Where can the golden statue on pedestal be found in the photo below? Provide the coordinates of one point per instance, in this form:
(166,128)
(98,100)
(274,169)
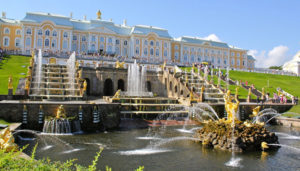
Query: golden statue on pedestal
(7,141)
(60,112)
(117,94)
(255,111)
(10,82)
(99,15)
(32,54)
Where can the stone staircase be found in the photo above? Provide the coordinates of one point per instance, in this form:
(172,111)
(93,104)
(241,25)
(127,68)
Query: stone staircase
(194,82)
(55,84)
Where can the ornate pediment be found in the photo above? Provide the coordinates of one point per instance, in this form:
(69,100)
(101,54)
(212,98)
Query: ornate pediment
(102,30)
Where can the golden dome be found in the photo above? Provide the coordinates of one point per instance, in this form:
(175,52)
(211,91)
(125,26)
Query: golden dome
(99,15)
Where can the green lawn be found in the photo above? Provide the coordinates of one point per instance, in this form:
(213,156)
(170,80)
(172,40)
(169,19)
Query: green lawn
(15,66)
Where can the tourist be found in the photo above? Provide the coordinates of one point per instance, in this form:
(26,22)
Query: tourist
(296,100)
(281,98)
(246,82)
(293,99)
(267,97)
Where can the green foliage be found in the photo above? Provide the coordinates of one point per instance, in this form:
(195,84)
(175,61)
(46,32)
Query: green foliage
(15,66)
(141,168)
(276,67)
(93,166)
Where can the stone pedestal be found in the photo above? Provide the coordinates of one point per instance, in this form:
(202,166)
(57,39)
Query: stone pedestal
(10,94)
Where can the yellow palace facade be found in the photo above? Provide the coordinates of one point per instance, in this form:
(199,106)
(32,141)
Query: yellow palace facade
(59,34)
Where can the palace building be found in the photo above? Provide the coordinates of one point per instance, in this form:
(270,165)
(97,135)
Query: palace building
(59,34)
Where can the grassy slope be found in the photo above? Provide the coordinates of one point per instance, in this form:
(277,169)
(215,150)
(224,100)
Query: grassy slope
(12,66)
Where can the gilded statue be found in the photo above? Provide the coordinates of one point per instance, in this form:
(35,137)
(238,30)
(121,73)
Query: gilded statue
(77,64)
(249,92)
(60,112)
(7,141)
(163,66)
(117,94)
(236,92)
(84,85)
(27,84)
(32,54)
(255,111)
(10,82)
(231,107)
(120,65)
(99,15)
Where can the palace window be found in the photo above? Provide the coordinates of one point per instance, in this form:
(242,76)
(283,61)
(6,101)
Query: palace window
(225,53)
(125,42)
(137,50)
(53,45)
(225,61)
(17,42)
(74,37)
(192,57)
(83,47)
(101,39)
(192,49)
(117,41)
(28,42)
(219,60)
(110,40)
(65,44)
(166,45)
(6,31)
(238,62)
(145,51)
(243,63)
(232,53)
(176,47)
(145,42)
(157,43)
(165,53)
(213,60)
(212,52)
(117,51)
(109,49)
(39,42)
(232,61)
(6,41)
(101,47)
(54,33)
(65,34)
(137,41)
(206,50)
(93,38)
(238,54)
(47,33)
(199,50)
(199,58)
(28,31)
(219,52)
(151,43)
(83,38)
(125,51)
(185,57)
(40,32)
(157,52)
(93,47)
(176,55)
(74,47)
(151,51)
(18,32)
(47,42)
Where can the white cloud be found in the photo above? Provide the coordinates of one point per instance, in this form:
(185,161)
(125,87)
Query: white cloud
(212,37)
(275,57)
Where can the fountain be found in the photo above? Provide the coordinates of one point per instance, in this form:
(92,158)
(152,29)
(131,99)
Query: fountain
(38,72)
(71,72)
(58,125)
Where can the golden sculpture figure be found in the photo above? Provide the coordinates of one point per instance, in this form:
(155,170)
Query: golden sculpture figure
(60,112)
(10,82)
(255,111)
(117,94)
(32,53)
(236,92)
(7,141)
(120,65)
(84,85)
(99,15)
(77,64)
(249,92)
(231,107)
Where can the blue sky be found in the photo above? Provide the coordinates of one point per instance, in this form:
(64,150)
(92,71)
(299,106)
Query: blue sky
(269,29)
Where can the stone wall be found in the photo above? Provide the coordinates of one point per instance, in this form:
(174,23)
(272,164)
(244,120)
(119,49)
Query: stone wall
(110,116)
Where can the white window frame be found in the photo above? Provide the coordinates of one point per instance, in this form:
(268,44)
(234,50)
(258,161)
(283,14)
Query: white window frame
(8,42)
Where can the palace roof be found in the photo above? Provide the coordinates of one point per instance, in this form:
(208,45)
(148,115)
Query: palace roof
(196,40)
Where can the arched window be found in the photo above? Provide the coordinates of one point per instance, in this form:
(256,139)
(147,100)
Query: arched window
(53,45)
(74,47)
(117,41)
(125,51)
(213,60)
(54,33)
(6,31)
(40,32)
(28,42)
(47,42)
(165,45)
(121,85)
(151,43)
(199,58)
(28,31)
(232,61)
(65,44)
(137,41)
(185,57)
(110,40)
(47,32)
(192,58)
(83,47)
(39,42)
(125,42)
(145,51)
(93,38)
(84,38)
(6,41)
(74,37)
(109,50)
(199,50)
(101,47)
(17,42)
(137,50)
(148,84)
(175,89)
(225,61)
(157,52)
(65,34)
(145,42)
(219,60)
(151,51)
(18,32)
(157,43)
